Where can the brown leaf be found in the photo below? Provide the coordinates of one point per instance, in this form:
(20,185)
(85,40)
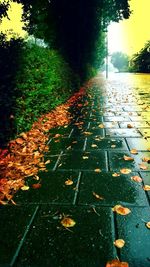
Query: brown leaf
(143,166)
(116,174)
(119,243)
(68,222)
(121,210)
(146,159)
(101,126)
(97,170)
(97,196)
(36,186)
(116,263)
(129,125)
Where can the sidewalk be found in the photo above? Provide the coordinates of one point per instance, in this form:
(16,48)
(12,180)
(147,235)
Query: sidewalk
(87,176)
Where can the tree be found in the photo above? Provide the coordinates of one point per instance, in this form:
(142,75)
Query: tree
(120,61)
(140,62)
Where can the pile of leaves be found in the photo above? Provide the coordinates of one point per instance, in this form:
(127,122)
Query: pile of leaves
(24,156)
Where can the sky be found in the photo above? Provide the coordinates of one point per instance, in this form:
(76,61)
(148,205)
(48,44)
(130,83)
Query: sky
(129,36)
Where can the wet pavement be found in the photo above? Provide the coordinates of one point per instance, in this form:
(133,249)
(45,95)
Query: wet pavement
(106,144)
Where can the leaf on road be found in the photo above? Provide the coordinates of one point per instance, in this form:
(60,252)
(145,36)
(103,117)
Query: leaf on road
(101,126)
(121,210)
(116,263)
(97,196)
(116,174)
(85,157)
(146,187)
(36,186)
(125,171)
(129,125)
(143,166)
(87,133)
(68,182)
(134,151)
(136,178)
(148,225)
(119,243)
(146,159)
(128,158)
(97,170)
(94,146)
(25,188)
(68,222)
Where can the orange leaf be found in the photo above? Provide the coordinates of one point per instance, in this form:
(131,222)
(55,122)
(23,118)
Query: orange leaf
(146,159)
(128,158)
(101,126)
(143,166)
(129,125)
(97,196)
(119,243)
(68,182)
(97,170)
(19,141)
(136,178)
(116,263)
(68,222)
(121,210)
(134,151)
(36,186)
(125,171)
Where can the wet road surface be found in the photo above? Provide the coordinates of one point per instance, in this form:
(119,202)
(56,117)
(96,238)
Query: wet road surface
(101,152)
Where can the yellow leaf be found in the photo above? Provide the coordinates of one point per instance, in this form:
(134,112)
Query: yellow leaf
(47,162)
(25,188)
(128,158)
(68,182)
(136,178)
(68,222)
(134,151)
(146,159)
(116,174)
(101,126)
(125,171)
(146,187)
(94,145)
(85,157)
(97,170)
(121,210)
(119,243)
(113,146)
(148,225)
(97,196)
(87,133)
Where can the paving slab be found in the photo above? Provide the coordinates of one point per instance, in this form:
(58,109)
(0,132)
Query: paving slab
(14,223)
(140,144)
(133,227)
(79,160)
(123,132)
(88,243)
(106,143)
(52,189)
(112,190)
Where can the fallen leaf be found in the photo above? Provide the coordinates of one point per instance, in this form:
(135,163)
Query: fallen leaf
(47,162)
(19,141)
(25,188)
(128,158)
(134,151)
(146,159)
(116,263)
(136,178)
(143,166)
(97,196)
(121,210)
(68,222)
(148,225)
(85,157)
(68,182)
(129,125)
(146,187)
(101,126)
(113,146)
(119,243)
(97,170)
(36,186)
(125,171)
(94,145)
(87,133)
(116,174)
